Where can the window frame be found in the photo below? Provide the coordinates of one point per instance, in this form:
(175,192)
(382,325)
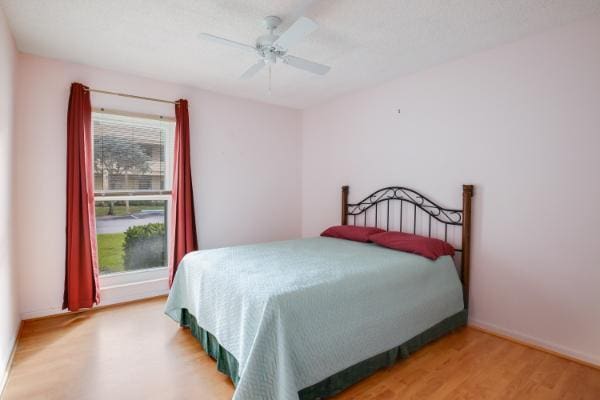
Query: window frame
(151,273)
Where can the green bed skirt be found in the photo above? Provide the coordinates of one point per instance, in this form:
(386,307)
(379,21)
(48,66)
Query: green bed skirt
(227,364)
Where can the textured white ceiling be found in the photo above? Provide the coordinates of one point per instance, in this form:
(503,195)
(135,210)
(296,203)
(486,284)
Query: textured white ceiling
(365,41)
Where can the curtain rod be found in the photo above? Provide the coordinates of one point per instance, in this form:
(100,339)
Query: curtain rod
(130,96)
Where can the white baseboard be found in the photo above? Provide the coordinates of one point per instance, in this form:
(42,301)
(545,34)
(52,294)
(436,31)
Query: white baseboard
(537,343)
(115,294)
(7,363)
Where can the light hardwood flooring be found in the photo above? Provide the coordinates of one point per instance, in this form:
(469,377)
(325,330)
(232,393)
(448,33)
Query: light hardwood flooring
(134,351)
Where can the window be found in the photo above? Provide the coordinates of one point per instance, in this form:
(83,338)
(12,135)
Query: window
(132,187)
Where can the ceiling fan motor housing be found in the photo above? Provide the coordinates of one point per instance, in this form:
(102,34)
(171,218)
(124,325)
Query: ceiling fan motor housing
(271,22)
(264,43)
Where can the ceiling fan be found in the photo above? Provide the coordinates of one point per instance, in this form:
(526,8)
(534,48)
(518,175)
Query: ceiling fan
(272,47)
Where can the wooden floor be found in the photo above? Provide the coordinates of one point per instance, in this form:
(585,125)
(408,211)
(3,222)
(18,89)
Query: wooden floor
(135,352)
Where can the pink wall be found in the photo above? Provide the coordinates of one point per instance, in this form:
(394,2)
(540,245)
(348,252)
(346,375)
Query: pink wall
(245,162)
(9,315)
(522,123)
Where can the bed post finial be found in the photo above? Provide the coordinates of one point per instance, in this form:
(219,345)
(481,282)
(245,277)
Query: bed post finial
(345,189)
(466,242)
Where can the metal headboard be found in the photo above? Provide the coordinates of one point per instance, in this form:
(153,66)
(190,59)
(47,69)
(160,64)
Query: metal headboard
(432,211)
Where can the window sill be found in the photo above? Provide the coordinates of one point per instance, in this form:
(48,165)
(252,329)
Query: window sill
(132,277)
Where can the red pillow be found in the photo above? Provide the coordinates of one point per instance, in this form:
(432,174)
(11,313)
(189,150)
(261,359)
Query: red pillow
(348,232)
(421,245)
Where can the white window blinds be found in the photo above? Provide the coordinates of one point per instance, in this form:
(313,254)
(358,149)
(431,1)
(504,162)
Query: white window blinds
(131,154)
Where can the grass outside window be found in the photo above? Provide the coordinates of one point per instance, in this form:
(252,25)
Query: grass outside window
(110,252)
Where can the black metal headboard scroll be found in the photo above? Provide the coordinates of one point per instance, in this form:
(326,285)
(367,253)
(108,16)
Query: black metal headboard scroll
(445,216)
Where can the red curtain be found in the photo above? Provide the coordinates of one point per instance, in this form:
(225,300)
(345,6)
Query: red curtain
(81,266)
(183,222)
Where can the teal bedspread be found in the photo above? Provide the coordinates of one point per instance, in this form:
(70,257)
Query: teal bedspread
(294,313)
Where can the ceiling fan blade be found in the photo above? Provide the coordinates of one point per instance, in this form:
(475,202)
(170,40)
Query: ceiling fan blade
(299,30)
(250,72)
(228,42)
(306,65)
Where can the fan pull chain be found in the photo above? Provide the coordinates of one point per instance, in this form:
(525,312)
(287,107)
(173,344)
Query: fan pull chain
(269,79)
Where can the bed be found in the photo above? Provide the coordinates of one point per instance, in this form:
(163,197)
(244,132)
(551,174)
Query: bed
(305,319)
